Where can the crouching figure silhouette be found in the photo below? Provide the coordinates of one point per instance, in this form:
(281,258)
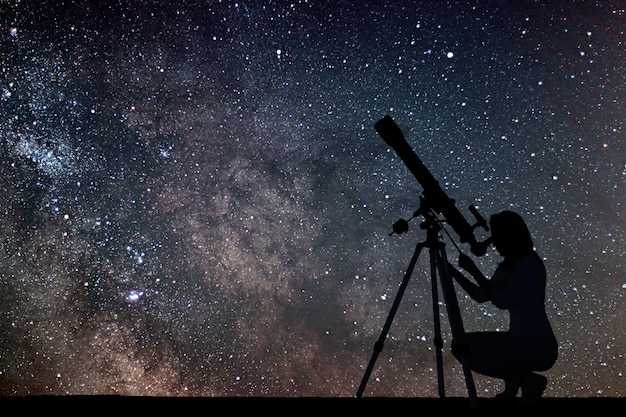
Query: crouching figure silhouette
(517,285)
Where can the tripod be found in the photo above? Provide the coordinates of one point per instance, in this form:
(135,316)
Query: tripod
(438,263)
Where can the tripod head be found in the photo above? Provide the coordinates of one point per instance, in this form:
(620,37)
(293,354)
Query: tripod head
(434,197)
(429,222)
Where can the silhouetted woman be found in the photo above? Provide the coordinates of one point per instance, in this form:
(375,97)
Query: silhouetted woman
(518,285)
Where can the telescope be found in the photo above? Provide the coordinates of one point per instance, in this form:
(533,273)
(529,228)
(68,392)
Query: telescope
(432,201)
(434,197)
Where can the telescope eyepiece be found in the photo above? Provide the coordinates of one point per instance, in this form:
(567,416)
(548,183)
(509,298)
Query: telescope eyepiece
(480,248)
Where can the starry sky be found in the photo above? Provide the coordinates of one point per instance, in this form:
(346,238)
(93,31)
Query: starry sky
(195,201)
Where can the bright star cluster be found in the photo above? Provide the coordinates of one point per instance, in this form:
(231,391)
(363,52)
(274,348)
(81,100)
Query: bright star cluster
(195,201)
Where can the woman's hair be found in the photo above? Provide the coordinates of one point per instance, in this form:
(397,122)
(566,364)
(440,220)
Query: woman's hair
(512,231)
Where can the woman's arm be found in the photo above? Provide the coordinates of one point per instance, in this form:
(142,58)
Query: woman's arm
(477,293)
(466,263)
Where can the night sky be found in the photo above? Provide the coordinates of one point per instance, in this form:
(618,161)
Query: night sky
(194,201)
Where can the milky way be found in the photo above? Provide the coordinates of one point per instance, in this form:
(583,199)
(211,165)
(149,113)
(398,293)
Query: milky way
(195,201)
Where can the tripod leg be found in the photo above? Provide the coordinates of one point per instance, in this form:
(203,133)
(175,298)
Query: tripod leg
(456,322)
(437,324)
(378,346)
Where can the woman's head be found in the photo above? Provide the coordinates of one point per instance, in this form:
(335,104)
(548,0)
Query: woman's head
(510,233)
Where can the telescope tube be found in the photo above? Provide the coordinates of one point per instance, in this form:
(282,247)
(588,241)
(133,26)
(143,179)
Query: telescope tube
(435,197)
